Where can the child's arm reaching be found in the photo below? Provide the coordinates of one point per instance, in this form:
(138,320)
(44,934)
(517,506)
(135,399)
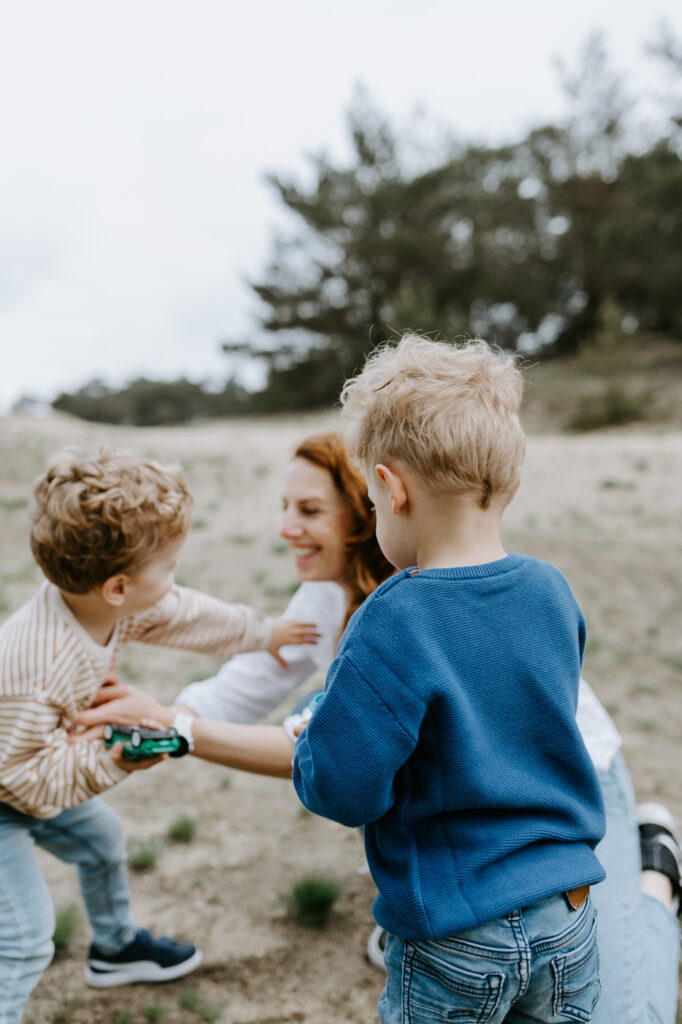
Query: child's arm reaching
(193,621)
(41,772)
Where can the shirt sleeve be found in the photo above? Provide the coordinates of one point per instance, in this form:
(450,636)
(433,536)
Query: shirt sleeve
(248,687)
(193,621)
(252,685)
(346,759)
(41,773)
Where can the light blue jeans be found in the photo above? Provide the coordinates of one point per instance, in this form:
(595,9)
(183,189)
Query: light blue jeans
(539,964)
(639,939)
(90,836)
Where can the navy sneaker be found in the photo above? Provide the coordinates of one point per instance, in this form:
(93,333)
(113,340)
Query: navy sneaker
(144,959)
(660,845)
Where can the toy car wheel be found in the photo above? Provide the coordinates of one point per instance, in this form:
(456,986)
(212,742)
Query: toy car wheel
(108,732)
(135,738)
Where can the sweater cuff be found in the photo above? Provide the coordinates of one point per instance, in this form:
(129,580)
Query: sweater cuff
(113,771)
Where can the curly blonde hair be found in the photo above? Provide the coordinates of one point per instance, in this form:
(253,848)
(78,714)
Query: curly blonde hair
(95,517)
(450,412)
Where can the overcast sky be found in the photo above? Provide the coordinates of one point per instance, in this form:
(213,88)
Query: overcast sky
(134,137)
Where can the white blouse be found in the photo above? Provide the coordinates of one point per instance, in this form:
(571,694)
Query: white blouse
(251,685)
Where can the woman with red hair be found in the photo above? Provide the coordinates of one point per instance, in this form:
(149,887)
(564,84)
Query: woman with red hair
(328,521)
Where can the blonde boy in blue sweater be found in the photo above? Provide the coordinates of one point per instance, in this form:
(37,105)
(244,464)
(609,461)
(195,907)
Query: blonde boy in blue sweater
(448,725)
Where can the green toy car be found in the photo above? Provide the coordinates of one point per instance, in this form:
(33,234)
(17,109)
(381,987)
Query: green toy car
(140,742)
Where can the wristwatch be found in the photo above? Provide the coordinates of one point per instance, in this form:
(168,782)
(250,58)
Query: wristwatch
(182,723)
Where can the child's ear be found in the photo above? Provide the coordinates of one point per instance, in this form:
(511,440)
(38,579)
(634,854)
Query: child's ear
(393,480)
(113,590)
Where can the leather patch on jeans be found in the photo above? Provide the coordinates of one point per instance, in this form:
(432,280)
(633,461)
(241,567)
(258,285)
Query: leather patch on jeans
(576,897)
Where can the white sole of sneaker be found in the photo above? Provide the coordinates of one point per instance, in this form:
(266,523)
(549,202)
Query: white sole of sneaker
(375,953)
(109,975)
(657,814)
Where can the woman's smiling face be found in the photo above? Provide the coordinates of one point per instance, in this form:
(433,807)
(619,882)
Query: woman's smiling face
(315,523)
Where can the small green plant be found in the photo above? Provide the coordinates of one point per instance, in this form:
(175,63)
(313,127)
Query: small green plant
(153,1013)
(617,485)
(182,830)
(122,1017)
(143,856)
(310,900)
(241,539)
(65,924)
(199,523)
(191,1000)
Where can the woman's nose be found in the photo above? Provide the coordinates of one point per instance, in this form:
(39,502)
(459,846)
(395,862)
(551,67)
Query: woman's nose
(290,528)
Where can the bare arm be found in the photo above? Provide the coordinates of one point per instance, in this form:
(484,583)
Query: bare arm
(262,749)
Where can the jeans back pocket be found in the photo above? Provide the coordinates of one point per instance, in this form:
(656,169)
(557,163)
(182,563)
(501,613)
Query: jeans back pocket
(436,990)
(576,980)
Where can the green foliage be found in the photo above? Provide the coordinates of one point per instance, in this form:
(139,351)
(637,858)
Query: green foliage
(154,1013)
(183,830)
(122,1017)
(525,244)
(611,407)
(143,856)
(191,1000)
(310,900)
(66,922)
(145,402)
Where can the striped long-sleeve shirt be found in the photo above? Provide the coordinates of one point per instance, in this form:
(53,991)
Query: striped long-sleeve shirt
(50,669)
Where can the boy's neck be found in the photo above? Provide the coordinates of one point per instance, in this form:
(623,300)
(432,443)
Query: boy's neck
(455,531)
(92,613)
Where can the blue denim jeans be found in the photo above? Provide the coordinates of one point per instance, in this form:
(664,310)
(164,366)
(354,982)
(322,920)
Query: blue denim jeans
(639,938)
(89,836)
(539,964)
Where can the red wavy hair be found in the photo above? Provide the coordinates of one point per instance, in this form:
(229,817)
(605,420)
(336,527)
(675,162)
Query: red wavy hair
(367,567)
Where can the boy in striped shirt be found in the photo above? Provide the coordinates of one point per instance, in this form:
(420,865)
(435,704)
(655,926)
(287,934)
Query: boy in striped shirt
(107,533)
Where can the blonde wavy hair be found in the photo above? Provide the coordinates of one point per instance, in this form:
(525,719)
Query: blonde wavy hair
(450,412)
(98,516)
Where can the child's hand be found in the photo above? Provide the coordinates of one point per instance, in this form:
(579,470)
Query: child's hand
(291,631)
(116,755)
(129,709)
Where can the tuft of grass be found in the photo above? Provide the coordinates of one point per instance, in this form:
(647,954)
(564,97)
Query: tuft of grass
(182,830)
(310,900)
(199,523)
(66,921)
(191,1000)
(280,547)
(122,1017)
(153,1013)
(617,485)
(143,856)
(241,539)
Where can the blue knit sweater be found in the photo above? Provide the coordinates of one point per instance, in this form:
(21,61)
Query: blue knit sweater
(448,730)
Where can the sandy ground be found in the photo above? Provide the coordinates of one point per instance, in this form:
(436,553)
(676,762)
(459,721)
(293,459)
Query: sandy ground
(605,508)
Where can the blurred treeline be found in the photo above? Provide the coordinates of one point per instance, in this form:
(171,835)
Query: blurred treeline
(543,245)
